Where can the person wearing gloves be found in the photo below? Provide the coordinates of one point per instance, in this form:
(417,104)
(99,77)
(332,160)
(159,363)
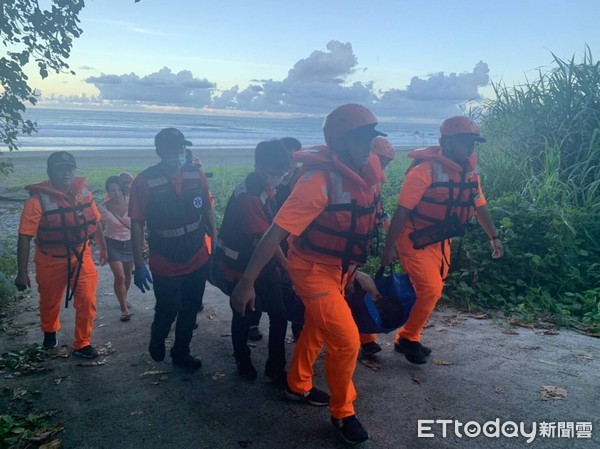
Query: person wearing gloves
(171,200)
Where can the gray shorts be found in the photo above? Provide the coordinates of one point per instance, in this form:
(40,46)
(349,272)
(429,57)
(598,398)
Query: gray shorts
(119,250)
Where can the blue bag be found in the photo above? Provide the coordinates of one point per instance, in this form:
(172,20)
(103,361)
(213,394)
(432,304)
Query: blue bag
(398,300)
(395,288)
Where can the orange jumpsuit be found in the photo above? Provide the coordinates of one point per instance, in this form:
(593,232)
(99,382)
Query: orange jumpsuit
(427,267)
(52,273)
(320,283)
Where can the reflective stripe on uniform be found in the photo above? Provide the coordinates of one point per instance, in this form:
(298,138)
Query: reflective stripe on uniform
(177,232)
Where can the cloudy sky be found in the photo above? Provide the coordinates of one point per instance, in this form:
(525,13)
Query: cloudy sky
(412,59)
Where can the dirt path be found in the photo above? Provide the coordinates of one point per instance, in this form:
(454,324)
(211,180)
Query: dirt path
(481,370)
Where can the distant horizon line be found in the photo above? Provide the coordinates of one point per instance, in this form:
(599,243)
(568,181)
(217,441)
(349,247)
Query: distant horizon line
(155,109)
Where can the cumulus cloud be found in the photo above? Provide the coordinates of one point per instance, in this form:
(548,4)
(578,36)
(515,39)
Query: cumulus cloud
(315,84)
(451,87)
(227,99)
(436,95)
(320,82)
(322,67)
(162,87)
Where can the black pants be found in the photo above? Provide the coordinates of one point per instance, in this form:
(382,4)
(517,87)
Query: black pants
(269,299)
(178,297)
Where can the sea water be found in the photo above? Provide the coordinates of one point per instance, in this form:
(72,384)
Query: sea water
(75,130)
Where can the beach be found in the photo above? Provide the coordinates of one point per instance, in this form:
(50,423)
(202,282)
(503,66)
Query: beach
(124,141)
(28,163)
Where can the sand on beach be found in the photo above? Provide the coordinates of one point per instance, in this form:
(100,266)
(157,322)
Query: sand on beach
(28,163)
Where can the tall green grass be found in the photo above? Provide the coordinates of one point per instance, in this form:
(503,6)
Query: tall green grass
(541,168)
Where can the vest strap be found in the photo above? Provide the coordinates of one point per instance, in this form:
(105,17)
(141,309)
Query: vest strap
(177,232)
(229,253)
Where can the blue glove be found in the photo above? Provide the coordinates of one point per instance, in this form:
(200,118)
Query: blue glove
(142,278)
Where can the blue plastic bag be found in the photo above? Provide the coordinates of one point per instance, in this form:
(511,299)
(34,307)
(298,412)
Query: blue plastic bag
(398,287)
(365,312)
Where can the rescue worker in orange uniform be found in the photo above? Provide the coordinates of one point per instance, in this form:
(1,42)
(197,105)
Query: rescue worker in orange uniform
(62,216)
(384,150)
(171,198)
(441,192)
(328,217)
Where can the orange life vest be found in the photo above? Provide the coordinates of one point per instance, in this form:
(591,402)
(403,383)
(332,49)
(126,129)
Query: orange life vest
(453,190)
(68,220)
(342,232)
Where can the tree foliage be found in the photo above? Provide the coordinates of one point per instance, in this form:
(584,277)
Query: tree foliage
(31,35)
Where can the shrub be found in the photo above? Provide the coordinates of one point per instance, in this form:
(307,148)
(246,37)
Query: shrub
(541,167)
(8,270)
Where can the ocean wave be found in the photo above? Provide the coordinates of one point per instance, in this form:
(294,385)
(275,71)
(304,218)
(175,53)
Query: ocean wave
(82,129)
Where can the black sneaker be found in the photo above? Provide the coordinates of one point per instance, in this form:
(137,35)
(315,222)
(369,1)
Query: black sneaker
(156,348)
(50,340)
(411,350)
(186,361)
(426,350)
(254,334)
(350,429)
(369,349)
(278,377)
(314,396)
(246,369)
(87,352)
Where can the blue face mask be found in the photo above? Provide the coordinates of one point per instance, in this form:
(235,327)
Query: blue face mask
(176,161)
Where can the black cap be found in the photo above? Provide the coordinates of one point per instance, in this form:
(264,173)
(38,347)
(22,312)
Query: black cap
(61,158)
(170,138)
(367,131)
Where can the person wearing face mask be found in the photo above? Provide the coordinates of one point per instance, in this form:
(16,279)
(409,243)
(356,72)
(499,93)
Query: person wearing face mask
(328,220)
(62,216)
(248,214)
(440,193)
(171,199)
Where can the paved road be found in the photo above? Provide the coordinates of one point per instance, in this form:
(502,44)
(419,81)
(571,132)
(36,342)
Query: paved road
(480,370)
